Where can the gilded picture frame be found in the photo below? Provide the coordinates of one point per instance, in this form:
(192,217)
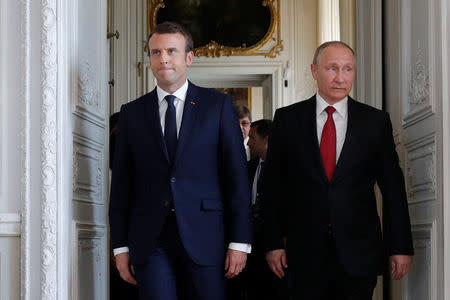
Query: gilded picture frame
(270,45)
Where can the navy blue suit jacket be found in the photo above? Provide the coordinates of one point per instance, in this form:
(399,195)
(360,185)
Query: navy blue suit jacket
(209,175)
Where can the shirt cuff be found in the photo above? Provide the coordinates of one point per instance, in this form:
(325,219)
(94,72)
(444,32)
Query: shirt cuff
(247,248)
(120,250)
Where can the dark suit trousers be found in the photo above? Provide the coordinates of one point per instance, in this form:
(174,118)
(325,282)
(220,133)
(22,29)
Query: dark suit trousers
(170,274)
(257,282)
(333,283)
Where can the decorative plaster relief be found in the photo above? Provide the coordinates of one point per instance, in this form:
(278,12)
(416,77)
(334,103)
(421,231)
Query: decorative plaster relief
(25,95)
(88,92)
(400,149)
(421,170)
(48,149)
(89,261)
(417,283)
(89,269)
(87,171)
(419,86)
(90,86)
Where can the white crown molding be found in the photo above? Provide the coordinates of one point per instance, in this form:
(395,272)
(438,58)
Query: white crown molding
(48,149)
(24,219)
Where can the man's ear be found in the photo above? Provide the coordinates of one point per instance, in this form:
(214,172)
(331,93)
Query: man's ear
(189,58)
(313,71)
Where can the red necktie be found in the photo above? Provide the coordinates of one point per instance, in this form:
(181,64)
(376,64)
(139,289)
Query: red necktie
(328,143)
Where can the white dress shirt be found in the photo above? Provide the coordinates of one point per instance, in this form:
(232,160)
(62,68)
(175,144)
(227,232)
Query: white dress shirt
(179,101)
(255,181)
(247,148)
(340,118)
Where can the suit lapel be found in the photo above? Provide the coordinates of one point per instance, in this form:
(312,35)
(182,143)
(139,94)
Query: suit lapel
(349,143)
(313,139)
(154,121)
(189,115)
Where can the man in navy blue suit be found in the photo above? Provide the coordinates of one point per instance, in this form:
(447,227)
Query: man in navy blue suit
(179,166)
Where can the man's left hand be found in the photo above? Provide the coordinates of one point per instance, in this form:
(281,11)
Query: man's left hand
(234,262)
(400,265)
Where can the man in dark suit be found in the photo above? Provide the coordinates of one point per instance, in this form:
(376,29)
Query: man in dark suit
(261,283)
(179,162)
(325,155)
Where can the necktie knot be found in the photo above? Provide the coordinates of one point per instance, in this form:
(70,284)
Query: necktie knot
(170,99)
(330,110)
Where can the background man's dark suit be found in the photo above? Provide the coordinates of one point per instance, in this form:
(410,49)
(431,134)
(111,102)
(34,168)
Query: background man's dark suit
(300,201)
(208,173)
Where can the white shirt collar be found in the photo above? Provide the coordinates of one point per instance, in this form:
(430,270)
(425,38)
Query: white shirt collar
(340,106)
(180,93)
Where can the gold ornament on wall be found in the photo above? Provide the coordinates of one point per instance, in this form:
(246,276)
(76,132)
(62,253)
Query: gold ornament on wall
(233,23)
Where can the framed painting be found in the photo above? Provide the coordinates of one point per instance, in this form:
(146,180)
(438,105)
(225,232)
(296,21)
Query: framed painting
(223,28)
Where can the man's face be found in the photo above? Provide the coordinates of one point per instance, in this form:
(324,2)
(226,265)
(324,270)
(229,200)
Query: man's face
(169,60)
(245,126)
(334,73)
(257,145)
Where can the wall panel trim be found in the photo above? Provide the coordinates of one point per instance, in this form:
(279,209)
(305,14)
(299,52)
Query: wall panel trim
(48,149)
(9,225)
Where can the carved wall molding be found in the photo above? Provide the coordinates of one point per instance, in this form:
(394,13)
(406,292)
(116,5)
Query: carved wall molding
(419,84)
(88,237)
(87,84)
(417,61)
(421,169)
(9,225)
(48,149)
(24,217)
(419,283)
(88,92)
(90,155)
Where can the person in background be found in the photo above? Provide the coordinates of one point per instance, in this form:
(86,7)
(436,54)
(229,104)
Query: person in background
(118,288)
(262,283)
(245,119)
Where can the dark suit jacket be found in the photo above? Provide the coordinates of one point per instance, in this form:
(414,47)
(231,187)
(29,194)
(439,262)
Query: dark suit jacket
(258,230)
(299,200)
(209,173)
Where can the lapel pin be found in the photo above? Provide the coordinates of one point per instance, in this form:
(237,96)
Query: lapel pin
(192,102)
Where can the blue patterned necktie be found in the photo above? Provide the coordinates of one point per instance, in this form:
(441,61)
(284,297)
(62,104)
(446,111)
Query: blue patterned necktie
(170,128)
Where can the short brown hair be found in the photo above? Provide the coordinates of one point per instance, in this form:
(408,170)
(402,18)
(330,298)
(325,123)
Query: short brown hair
(172,28)
(242,112)
(320,49)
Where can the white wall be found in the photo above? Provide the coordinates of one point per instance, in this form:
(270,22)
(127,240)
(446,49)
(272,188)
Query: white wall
(11,105)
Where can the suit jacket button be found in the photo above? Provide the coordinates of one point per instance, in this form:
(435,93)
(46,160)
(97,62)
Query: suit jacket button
(172,179)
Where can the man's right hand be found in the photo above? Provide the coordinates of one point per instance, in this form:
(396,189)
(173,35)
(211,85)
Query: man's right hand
(277,260)
(122,264)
